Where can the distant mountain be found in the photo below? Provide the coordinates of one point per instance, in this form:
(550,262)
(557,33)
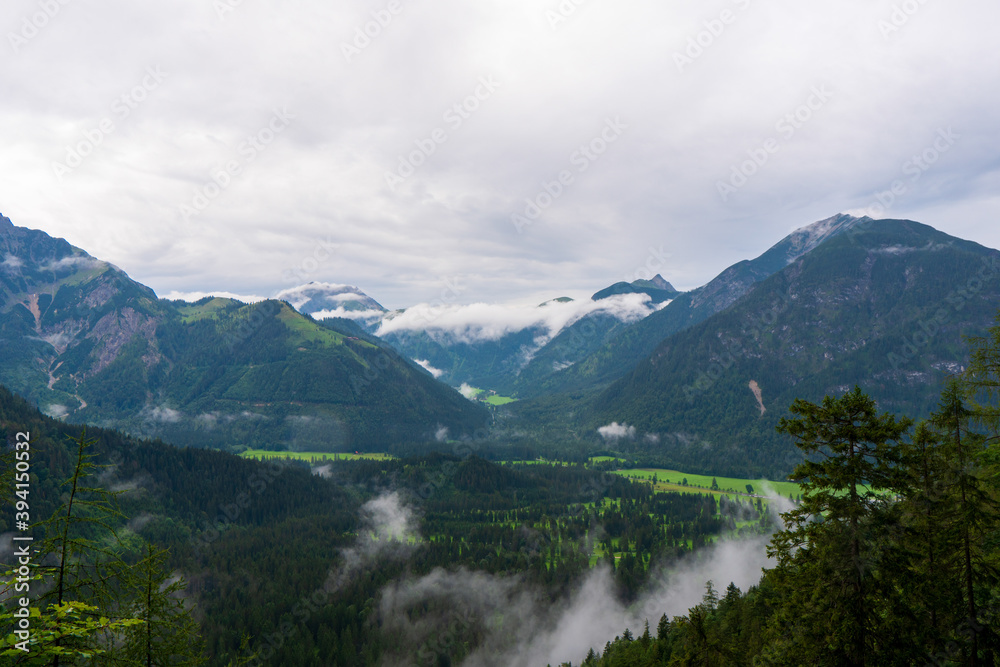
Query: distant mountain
(507,348)
(84,342)
(885,307)
(616,356)
(327,300)
(658,289)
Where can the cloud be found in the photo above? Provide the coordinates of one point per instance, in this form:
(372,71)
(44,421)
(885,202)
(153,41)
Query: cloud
(366,316)
(469,391)
(57,411)
(426,365)
(441,434)
(388,530)
(11,262)
(163,414)
(489,322)
(519,625)
(315,203)
(79,262)
(616,431)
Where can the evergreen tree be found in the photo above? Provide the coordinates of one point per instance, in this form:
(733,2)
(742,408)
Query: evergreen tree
(836,609)
(970,490)
(168,634)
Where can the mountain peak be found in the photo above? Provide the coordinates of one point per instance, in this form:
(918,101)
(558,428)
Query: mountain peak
(661,283)
(804,239)
(5,223)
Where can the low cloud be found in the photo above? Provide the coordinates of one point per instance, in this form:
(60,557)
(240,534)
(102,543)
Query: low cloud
(426,365)
(479,322)
(80,262)
(388,530)
(57,411)
(519,625)
(468,391)
(616,431)
(163,414)
(11,262)
(366,316)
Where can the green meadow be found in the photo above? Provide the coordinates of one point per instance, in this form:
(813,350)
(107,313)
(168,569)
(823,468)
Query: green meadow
(315,457)
(673,480)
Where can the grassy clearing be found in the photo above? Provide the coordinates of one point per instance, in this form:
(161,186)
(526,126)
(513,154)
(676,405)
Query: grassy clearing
(672,480)
(603,459)
(315,457)
(191,313)
(499,400)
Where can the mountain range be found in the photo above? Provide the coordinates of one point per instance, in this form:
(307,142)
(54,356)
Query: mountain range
(696,379)
(86,343)
(885,305)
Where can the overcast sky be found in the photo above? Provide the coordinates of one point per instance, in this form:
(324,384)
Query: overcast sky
(342,157)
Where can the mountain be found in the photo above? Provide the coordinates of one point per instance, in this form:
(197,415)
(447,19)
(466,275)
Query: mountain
(616,356)
(885,307)
(83,341)
(658,289)
(327,300)
(507,348)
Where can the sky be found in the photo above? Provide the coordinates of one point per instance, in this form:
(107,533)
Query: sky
(493,151)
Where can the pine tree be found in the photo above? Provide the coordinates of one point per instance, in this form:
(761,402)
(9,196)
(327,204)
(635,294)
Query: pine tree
(85,570)
(836,605)
(168,634)
(976,510)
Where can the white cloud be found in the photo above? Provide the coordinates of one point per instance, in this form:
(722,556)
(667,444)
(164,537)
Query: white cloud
(616,431)
(357,315)
(75,262)
(426,365)
(315,205)
(11,262)
(57,411)
(481,321)
(468,391)
(163,414)
(525,627)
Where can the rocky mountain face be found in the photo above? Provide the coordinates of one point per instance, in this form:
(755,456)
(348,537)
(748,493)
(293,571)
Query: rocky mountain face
(65,317)
(84,342)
